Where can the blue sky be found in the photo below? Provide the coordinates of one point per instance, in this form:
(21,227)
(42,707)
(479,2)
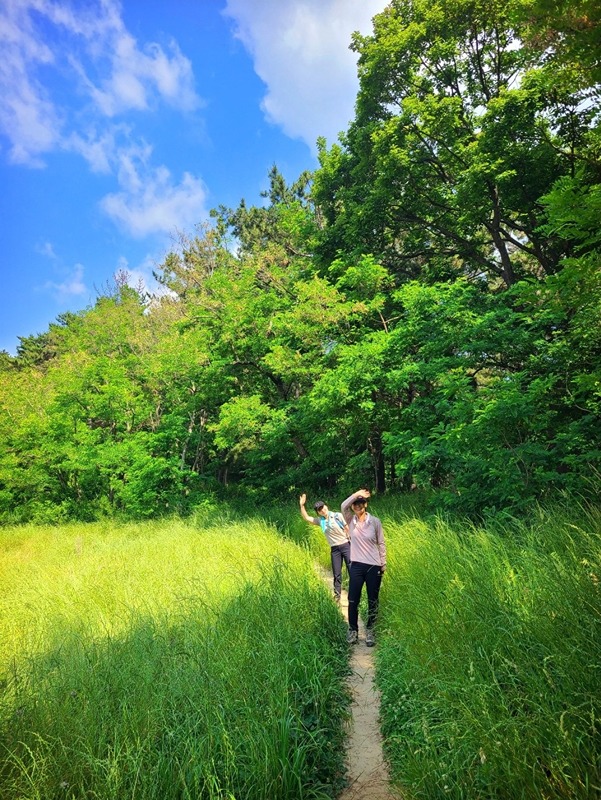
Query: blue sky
(122,124)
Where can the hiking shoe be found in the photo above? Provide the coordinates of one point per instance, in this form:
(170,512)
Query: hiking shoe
(352,637)
(370,638)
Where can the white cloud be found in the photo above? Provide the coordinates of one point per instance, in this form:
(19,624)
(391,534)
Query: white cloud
(150,202)
(100,149)
(72,286)
(28,117)
(300,50)
(47,250)
(134,77)
(88,44)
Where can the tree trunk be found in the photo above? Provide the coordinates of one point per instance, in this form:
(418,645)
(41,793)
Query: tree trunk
(374,445)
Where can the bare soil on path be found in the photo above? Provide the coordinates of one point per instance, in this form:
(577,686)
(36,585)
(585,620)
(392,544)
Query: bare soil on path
(367,771)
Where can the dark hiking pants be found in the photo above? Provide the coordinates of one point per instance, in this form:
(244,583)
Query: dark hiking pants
(371,576)
(340,553)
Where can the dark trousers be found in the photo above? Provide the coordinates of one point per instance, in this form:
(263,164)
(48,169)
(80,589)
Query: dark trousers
(340,553)
(371,576)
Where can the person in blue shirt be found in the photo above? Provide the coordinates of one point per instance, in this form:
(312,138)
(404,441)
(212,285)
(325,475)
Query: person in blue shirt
(335,530)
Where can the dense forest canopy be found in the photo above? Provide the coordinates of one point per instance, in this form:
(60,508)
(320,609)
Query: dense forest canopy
(423,310)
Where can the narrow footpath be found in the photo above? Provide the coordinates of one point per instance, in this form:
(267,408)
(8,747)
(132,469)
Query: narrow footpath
(367,772)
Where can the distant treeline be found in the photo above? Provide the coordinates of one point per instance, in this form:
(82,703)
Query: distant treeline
(423,310)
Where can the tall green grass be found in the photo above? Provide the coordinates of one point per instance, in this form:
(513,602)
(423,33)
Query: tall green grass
(489,661)
(285,517)
(163,661)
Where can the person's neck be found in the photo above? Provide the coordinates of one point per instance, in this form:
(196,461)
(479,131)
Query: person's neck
(361,515)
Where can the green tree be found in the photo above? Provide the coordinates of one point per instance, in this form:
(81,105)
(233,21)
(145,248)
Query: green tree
(287,220)
(568,32)
(266,326)
(455,139)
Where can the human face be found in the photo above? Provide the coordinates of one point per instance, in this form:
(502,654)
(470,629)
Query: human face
(359,507)
(323,511)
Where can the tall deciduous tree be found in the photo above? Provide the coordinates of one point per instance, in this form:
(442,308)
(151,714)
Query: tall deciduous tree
(455,139)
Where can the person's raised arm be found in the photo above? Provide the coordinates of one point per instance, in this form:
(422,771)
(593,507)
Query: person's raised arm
(302,500)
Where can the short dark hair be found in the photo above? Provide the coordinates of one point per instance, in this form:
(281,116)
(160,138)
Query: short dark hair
(319,505)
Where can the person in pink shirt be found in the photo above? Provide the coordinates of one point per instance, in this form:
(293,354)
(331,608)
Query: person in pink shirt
(368,563)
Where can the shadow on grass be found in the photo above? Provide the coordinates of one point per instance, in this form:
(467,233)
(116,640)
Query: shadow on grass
(245,701)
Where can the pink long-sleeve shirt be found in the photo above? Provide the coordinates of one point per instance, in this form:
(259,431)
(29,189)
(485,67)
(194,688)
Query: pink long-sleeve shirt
(367,537)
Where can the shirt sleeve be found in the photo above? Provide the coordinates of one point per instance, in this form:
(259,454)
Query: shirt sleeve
(346,507)
(381,542)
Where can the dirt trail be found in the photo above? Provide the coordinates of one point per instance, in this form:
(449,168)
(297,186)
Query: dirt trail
(367,772)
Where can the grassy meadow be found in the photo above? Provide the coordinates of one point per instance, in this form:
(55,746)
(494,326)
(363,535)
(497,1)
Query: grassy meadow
(174,660)
(489,657)
(489,650)
(164,660)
